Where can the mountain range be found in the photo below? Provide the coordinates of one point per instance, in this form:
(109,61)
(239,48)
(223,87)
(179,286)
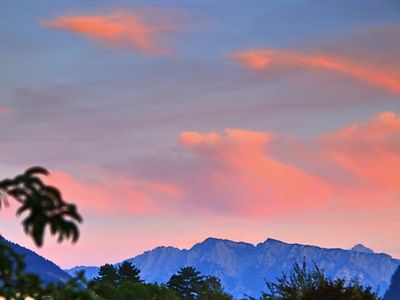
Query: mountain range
(243,268)
(36,264)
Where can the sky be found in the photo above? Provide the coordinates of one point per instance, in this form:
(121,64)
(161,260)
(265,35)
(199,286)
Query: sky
(168,122)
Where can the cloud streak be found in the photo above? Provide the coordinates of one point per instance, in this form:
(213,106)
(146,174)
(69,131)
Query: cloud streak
(241,169)
(277,175)
(347,178)
(367,149)
(108,194)
(259,174)
(260,60)
(133,30)
(4,110)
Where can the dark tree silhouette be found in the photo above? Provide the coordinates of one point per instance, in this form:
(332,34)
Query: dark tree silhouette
(43,205)
(187,283)
(127,272)
(107,274)
(212,289)
(305,284)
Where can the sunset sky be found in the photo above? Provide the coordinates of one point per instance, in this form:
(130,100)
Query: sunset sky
(167,122)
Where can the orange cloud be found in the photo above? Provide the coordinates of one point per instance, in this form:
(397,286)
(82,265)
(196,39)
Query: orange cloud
(132,30)
(247,180)
(340,186)
(116,194)
(254,173)
(191,138)
(370,149)
(257,174)
(337,188)
(372,74)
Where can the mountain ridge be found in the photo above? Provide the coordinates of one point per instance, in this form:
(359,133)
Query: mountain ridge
(242,267)
(47,270)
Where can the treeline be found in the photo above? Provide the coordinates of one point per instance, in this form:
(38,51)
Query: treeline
(302,283)
(124,282)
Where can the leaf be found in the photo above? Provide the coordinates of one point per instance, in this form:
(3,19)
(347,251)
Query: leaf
(44,206)
(36,171)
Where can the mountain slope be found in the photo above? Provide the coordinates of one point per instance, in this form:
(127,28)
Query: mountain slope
(243,268)
(44,268)
(90,272)
(393,292)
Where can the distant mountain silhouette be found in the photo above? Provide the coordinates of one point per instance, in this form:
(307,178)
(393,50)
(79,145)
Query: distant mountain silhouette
(243,268)
(90,272)
(36,264)
(393,292)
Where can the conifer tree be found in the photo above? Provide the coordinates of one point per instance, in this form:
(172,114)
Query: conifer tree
(107,274)
(127,272)
(212,289)
(187,283)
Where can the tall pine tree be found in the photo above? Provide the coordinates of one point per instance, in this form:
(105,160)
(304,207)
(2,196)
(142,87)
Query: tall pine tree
(187,283)
(108,273)
(127,272)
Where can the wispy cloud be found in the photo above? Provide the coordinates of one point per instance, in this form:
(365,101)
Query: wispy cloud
(278,175)
(240,168)
(4,110)
(116,195)
(260,176)
(267,59)
(367,149)
(136,30)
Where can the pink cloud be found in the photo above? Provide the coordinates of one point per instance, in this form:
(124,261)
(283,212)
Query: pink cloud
(370,150)
(257,174)
(333,189)
(373,74)
(4,110)
(111,194)
(341,170)
(247,179)
(139,30)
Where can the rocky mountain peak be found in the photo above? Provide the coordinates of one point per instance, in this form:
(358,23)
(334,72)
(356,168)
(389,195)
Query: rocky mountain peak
(361,248)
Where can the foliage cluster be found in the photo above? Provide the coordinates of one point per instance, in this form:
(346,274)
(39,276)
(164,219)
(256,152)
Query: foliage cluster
(189,284)
(43,207)
(305,284)
(123,282)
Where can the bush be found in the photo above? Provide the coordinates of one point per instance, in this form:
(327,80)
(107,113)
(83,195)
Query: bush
(305,284)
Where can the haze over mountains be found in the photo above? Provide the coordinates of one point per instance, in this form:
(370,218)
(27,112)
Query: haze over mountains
(243,267)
